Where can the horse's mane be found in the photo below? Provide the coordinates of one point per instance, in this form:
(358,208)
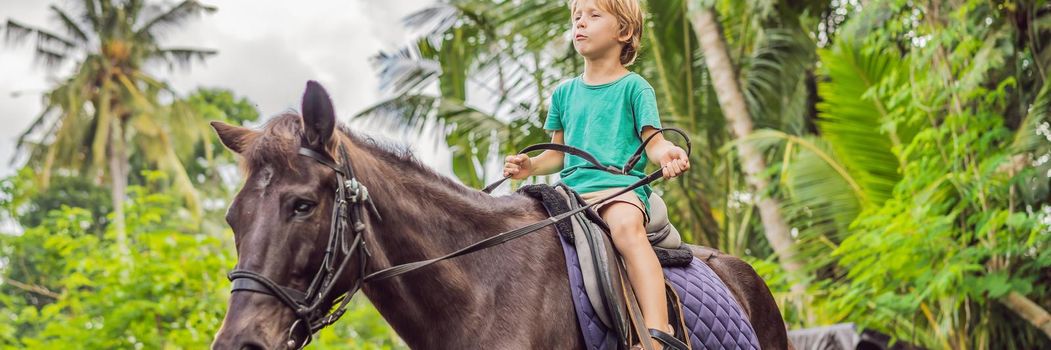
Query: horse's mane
(278,142)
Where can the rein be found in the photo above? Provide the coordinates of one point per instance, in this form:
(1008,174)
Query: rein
(353,203)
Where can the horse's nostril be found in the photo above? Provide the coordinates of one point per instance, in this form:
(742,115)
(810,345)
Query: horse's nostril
(251,346)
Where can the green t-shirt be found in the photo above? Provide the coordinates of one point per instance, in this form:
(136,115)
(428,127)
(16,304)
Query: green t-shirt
(605,120)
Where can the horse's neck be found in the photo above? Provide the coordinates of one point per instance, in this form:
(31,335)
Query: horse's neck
(424,217)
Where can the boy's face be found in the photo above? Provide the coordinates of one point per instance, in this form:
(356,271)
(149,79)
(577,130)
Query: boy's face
(595,31)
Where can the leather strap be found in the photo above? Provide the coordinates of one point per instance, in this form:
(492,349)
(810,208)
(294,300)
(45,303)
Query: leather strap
(561,148)
(321,158)
(669,341)
(502,237)
(522,231)
(251,285)
(638,152)
(591,159)
(638,322)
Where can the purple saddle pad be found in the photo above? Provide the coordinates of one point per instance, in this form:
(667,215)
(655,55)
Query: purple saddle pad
(711,314)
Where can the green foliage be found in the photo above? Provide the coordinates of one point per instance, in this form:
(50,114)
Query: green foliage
(470,49)
(948,224)
(73,290)
(30,206)
(361,327)
(859,111)
(168,293)
(206,156)
(109,111)
(946,240)
(908,142)
(206,159)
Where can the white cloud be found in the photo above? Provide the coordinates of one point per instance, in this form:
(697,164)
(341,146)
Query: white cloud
(267,52)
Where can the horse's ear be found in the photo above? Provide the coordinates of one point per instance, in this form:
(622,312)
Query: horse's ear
(319,118)
(233,137)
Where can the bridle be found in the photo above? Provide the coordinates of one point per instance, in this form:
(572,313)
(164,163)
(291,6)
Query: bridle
(352,199)
(351,203)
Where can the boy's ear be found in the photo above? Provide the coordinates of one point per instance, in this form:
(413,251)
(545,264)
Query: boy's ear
(625,36)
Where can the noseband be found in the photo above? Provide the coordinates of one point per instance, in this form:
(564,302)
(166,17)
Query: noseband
(352,199)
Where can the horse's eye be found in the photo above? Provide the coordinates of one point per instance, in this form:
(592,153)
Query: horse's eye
(302,207)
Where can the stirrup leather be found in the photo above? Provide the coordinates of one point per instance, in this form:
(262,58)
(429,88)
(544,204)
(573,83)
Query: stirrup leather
(669,341)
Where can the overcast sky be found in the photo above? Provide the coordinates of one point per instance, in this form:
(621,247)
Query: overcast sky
(267,52)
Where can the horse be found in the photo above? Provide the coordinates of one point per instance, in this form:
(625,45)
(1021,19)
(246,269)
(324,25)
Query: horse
(512,296)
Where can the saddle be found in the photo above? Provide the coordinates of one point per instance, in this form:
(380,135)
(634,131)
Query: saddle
(605,279)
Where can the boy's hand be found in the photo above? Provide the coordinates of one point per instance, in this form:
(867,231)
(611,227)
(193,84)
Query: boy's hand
(518,166)
(674,162)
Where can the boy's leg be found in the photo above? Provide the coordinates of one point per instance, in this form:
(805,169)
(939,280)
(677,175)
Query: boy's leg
(644,271)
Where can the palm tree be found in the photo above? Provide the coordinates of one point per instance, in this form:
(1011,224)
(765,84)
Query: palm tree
(874,102)
(515,53)
(831,117)
(110,103)
(735,108)
(469,46)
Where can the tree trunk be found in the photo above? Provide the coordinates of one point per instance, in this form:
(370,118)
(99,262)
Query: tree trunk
(119,180)
(732,102)
(110,139)
(1028,310)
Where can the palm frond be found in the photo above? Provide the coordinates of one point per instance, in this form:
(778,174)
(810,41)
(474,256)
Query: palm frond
(66,143)
(173,18)
(673,50)
(183,57)
(404,113)
(1032,144)
(16,33)
(469,132)
(48,58)
(820,196)
(50,49)
(89,13)
(404,70)
(104,124)
(856,115)
(45,118)
(155,145)
(187,131)
(773,75)
(434,19)
(71,26)
(538,23)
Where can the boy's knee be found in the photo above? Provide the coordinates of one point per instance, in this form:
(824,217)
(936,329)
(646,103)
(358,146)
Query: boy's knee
(625,225)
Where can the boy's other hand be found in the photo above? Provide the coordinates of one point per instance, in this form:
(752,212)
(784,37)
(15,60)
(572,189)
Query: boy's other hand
(674,162)
(518,166)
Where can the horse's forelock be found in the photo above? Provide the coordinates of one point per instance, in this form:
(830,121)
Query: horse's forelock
(278,143)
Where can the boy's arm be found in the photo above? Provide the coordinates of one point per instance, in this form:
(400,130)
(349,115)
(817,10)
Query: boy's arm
(662,152)
(549,162)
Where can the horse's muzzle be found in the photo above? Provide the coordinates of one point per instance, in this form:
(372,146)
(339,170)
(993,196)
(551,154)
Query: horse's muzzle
(253,321)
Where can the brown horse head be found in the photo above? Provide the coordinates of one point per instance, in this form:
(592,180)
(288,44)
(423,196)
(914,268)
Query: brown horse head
(281,220)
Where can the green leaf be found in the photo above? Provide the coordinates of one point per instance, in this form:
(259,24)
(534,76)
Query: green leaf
(857,118)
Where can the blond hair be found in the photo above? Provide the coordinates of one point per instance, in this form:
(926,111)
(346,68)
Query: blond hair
(629,15)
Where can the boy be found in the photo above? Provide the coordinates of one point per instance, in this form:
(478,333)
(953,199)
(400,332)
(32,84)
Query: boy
(608,111)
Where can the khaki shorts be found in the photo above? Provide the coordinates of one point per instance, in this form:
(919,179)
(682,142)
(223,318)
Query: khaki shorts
(627,197)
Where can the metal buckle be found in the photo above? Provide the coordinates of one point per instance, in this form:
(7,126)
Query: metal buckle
(358,193)
(292,343)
